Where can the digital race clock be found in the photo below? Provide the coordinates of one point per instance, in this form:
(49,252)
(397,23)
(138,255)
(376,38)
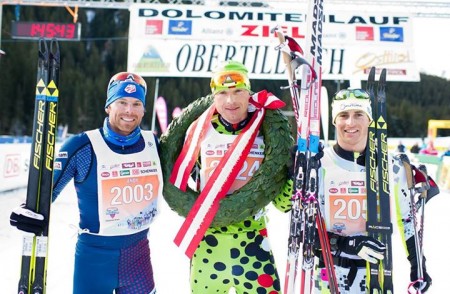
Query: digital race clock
(36,30)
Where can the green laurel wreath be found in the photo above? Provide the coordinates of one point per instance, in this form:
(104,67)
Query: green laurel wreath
(262,188)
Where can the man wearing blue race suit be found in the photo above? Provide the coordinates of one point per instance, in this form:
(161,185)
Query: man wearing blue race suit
(117,176)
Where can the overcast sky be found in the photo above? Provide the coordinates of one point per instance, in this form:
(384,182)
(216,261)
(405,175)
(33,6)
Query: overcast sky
(432,46)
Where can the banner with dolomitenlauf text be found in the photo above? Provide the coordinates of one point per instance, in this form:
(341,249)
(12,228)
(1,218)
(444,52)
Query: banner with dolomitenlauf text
(188,41)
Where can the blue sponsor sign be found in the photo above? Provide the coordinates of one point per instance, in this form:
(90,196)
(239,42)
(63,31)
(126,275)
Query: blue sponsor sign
(180,27)
(391,34)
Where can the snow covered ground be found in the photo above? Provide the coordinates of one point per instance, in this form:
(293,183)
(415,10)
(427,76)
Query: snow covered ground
(171,267)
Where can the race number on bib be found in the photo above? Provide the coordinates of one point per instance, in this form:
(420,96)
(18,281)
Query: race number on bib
(128,202)
(348,214)
(251,165)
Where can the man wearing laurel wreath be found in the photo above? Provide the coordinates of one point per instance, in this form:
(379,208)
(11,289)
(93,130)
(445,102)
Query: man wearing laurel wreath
(224,154)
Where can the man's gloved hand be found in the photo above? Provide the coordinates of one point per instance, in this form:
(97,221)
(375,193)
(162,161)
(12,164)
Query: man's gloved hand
(365,247)
(27,220)
(292,153)
(320,153)
(424,284)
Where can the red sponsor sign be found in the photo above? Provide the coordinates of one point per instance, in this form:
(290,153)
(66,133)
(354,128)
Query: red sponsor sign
(12,166)
(364,34)
(105,174)
(357,183)
(153,27)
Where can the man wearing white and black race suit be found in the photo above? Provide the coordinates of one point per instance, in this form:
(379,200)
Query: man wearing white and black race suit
(343,200)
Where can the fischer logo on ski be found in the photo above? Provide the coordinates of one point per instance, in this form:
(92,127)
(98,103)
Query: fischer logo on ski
(378,223)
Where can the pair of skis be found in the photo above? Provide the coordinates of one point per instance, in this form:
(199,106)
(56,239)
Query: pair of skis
(40,178)
(307,223)
(378,225)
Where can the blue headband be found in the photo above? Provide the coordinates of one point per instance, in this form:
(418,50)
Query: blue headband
(125,89)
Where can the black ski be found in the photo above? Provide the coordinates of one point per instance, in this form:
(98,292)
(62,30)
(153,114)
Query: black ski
(379,223)
(40,177)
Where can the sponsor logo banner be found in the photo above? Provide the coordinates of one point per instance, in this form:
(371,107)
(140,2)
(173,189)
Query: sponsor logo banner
(175,41)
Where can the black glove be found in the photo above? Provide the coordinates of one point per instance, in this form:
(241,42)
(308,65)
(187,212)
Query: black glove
(412,257)
(433,190)
(366,247)
(320,153)
(27,220)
